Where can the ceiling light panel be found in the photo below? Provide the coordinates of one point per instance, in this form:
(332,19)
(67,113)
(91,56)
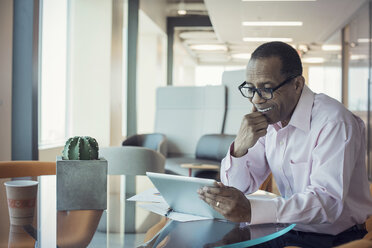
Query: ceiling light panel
(197,35)
(242,56)
(266,39)
(331,47)
(271,24)
(313,60)
(364,40)
(278,0)
(358,57)
(209,47)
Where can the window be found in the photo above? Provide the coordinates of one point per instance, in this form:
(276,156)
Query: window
(52,95)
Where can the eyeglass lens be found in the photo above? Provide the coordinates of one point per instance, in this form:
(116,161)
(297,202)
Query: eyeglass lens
(263,93)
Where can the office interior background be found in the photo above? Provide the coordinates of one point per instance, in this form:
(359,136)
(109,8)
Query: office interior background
(96,64)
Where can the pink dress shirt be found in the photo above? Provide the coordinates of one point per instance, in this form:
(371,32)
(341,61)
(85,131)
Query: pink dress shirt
(318,162)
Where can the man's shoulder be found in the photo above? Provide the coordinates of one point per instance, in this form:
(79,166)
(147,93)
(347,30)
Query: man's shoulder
(327,109)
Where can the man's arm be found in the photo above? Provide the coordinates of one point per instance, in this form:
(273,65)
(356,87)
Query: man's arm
(247,172)
(245,166)
(322,201)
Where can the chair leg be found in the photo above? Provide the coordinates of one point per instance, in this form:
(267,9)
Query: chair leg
(155,229)
(267,184)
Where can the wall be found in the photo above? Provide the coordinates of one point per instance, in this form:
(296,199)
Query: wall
(6,34)
(156,10)
(151,71)
(50,154)
(89,68)
(183,66)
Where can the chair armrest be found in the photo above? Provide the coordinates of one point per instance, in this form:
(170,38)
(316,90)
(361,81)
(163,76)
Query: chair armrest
(213,146)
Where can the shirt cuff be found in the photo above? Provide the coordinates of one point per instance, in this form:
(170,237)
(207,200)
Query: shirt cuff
(263,211)
(234,161)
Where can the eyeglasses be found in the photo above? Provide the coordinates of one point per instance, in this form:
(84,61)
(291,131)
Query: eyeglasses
(264,93)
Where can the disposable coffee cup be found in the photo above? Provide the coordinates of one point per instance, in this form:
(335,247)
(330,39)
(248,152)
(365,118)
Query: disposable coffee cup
(21,196)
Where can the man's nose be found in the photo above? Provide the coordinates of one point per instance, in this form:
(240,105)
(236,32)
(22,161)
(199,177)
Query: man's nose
(257,99)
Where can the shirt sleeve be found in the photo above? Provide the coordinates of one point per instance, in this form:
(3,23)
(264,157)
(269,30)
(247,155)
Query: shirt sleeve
(333,160)
(246,173)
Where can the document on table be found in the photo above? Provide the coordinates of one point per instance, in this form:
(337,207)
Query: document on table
(150,195)
(157,204)
(162,208)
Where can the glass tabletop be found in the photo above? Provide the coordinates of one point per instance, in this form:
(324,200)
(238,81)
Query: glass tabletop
(215,233)
(97,228)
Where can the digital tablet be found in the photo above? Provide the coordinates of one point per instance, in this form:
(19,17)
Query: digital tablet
(181,194)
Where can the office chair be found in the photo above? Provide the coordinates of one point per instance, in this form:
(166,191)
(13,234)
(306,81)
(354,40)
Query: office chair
(153,141)
(10,169)
(129,161)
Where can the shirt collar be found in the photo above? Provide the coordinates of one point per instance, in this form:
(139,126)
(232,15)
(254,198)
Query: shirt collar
(301,116)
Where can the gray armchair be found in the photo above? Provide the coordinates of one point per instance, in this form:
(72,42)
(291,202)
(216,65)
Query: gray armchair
(210,149)
(128,162)
(153,141)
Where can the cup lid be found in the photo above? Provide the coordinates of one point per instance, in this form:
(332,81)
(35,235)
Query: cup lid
(21,183)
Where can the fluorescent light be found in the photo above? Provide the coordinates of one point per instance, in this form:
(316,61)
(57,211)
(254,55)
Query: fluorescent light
(278,0)
(266,39)
(358,56)
(209,47)
(331,47)
(313,60)
(244,56)
(364,40)
(182,12)
(262,24)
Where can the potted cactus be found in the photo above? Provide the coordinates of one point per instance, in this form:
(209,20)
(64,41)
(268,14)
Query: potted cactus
(81,176)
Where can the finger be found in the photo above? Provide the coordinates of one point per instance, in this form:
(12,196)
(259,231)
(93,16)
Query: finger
(218,185)
(224,191)
(261,132)
(258,120)
(260,126)
(217,204)
(254,109)
(253,115)
(255,118)
(216,198)
(221,185)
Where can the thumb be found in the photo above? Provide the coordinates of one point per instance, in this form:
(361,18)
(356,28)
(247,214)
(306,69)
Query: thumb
(254,109)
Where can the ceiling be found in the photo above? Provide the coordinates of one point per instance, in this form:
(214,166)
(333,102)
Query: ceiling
(321,20)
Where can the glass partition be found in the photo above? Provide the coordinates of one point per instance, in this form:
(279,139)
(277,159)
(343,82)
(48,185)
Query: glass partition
(359,70)
(358,64)
(326,77)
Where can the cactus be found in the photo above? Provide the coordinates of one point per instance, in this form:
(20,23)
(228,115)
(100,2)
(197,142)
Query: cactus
(80,148)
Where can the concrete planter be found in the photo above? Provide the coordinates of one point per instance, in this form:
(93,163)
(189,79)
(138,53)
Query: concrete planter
(81,184)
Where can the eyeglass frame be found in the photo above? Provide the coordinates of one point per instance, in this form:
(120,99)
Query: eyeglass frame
(258,90)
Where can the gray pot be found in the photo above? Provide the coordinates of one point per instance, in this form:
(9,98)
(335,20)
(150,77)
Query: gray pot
(81,184)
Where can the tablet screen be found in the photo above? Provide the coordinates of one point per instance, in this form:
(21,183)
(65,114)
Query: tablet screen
(180,193)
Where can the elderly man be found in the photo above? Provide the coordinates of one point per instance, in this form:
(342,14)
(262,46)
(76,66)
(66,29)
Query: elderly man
(313,146)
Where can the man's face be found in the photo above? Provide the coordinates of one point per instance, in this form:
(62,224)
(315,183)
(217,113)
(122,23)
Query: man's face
(265,73)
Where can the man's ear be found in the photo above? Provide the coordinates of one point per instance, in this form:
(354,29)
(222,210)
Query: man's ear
(299,84)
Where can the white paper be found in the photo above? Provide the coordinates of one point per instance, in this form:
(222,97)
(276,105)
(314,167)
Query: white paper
(161,208)
(150,195)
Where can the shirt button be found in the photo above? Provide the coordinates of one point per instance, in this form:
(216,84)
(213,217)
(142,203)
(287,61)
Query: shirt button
(281,143)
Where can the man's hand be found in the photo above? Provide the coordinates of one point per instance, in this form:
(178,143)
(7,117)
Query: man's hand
(253,127)
(228,201)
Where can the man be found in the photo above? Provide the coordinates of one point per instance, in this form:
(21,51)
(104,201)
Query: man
(313,146)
